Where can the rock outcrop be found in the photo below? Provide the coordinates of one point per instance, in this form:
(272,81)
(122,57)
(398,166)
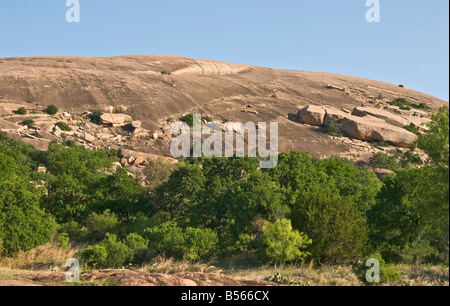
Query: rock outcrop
(387,116)
(333,114)
(313,115)
(363,129)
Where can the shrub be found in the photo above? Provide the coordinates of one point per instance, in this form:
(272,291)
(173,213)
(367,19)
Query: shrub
(98,225)
(333,129)
(199,243)
(189,119)
(29,123)
(96,114)
(174,242)
(412,129)
(22,111)
(111,252)
(384,161)
(280,280)
(382,144)
(137,247)
(165,72)
(118,110)
(64,126)
(94,256)
(407,105)
(63,241)
(52,110)
(73,230)
(388,273)
(283,244)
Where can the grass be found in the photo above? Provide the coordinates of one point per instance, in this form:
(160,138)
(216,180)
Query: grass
(51,258)
(171,266)
(48,257)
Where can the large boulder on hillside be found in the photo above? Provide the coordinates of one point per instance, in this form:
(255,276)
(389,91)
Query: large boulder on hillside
(333,114)
(380,173)
(115,120)
(387,116)
(313,115)
(369,130)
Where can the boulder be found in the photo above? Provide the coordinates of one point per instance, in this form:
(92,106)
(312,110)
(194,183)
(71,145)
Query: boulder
(333,114)
(139,161)
(387,116)
(420,123)
(136,124)
(88,137)
(115,120)
(313,115)
(363,129)
(131,159)
(380,173)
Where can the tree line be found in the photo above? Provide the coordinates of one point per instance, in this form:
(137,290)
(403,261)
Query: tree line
(211,208)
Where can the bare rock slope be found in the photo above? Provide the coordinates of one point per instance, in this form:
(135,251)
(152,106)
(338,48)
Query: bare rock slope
(153,88)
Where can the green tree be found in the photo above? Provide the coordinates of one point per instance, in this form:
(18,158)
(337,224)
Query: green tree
(334,223)
(23,224)
(411,221)
(281,243)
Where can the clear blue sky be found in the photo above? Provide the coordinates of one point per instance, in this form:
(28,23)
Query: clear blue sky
(409,46)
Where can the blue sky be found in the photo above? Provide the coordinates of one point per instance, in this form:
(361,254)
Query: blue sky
(409,46)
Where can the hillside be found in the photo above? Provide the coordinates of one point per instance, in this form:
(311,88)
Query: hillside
(219,90)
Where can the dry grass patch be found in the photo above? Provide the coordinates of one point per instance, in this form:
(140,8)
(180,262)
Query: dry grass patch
(304,276)
(48,257)
(171,266)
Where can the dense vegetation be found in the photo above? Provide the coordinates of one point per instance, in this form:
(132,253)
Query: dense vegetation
(203,209)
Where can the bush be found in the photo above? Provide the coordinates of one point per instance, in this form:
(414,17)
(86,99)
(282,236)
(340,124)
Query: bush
(137,248)
(96,114)
(333,129)
(99,225)
(114,253)
(166,73)
(412,129)
(174,242)
(283,244)
(94,256)
(29,123)
(407,105)
(388,273)
(384,161)
(52,110)
(64,126)
(22,111)
(189,119)
(280,280)
(63,241)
